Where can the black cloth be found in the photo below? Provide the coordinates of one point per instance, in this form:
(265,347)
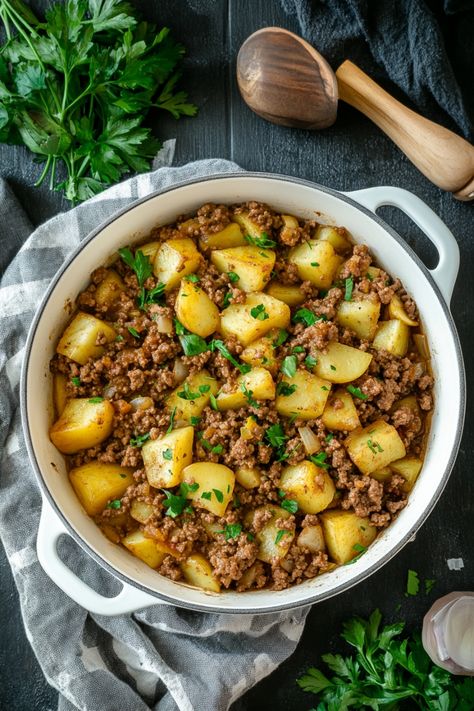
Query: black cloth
(408,41)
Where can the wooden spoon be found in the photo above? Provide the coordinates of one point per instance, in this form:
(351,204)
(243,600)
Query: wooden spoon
(286,81)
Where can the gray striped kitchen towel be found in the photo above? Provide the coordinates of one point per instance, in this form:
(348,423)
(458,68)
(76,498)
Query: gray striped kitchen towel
(161,658)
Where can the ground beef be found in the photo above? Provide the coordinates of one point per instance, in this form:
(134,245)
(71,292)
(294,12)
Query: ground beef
(138,371)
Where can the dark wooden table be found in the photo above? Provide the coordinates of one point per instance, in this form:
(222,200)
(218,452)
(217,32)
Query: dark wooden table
(350,155)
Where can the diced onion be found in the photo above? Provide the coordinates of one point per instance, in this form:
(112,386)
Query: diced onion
(310,440)
(110,391)
(164,324)
(180,423)
(180,371)
(419,370)
(141,403)
(421,345)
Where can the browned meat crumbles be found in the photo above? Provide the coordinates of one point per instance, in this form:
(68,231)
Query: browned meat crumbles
(241,399)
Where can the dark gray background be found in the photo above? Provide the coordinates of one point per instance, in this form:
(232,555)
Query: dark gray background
(350,155)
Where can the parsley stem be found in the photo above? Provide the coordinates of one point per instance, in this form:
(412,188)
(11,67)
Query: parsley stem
(44,172)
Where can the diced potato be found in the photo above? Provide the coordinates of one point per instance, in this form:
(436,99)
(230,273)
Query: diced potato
(213,529)
(273,546)
(248,430)
(382,474)
(197,571)
(149,249)
(290,225)
(309,485)
(249,577)
(230,236)
(373,272)
(254,265)
(392,336)
(341,364)
(195,309)
(237,319)
(345,533)
(291,295)
(336,417)
(248,478)
(374,446)
(316,262)
(175,259)
(248,226)
(108,291)
(409,468)
(312,537)
(261,353)
(335,236)
(59,393)
(396,310)
(360,316)
(185,409)
(309,398)
(215,485)
(78,341)
(165,458)
(96,483)
(82,424)
(257,383)
(144,548)
(141,511)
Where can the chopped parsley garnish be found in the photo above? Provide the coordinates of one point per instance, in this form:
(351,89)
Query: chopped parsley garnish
(175,504)
(310,362)
(280,535)
(236,504)
(204,388)
(223,350)
(329,437)
(232,530)
(76,381)
(179,328)
(134,332)
(360,550)
(429,585)
(115,504)
(250,536)
(288,367)
(285,389)
(172,416)
(233,277)
(276,436)
(315,264)
(320,460)
(192,344)
(227,298)
(248,394)
(206,495)
(307,317)
(219,495)
(213,401)
(168,454)
(356,392)
(264,241)
(374,446)
(217,449)
(289,505)
(333,367)
(324,387)
(193,278)
(187,394)
(349,285)
(151,296)
(413,583)
(119,338)
(293,416)
(96,400)
(259,312)
(143,268)
(196,420)
(139,440)
(297,349)
(281,338)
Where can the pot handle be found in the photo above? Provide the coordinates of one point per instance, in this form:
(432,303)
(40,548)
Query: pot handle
(446,272)
(129,598)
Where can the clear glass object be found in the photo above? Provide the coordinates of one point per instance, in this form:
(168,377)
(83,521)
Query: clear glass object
(448,633)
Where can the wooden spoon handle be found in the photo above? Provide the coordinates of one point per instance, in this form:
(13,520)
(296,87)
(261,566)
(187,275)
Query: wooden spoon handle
(445,158)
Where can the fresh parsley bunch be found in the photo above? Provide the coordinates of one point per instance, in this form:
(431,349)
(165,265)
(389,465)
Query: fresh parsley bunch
(77,88)
(386,672)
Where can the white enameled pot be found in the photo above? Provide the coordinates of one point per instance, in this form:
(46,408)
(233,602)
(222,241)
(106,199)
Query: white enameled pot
(431,290)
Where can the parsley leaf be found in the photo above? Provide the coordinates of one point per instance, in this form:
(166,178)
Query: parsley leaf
(175,504)
(95,400)
(233,277)
(219,495)
(232,530)
(259,312)
(193,344)
(349,285)
(310,362)
(171,424)
(248,394)
(280,535)
(289,505)
(187,394)
(281,338)
(356,392)
(320,460)
(168,454)
(134,332)
(115,504)
(223,350)
(193,278)
(288,367)
(307,317)
(76,381)
(139,440)
(413,583)
(264,241)
(285,389)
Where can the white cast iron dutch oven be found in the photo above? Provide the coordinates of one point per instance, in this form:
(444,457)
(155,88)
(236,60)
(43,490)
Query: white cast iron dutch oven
(62,513)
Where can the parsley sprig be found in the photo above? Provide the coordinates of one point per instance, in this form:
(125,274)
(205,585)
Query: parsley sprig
(77,88)
(143,268)
(263,241)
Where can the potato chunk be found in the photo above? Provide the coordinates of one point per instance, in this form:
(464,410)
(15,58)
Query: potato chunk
(341,364)
(195,309)
(340,412)
(230,236)
(397,310)
(257,384)
(149,249)
(96,483)
(382,474)
(288,231)
(175,259)
(316,262)
(78,341)
(261,353)
(253,265)
(307,400)
(374,446)
(309,485)
(82,424)
(312,537)
(248,478)
(144,548)
(257,316)
(166,457)
(335,236)
(141,511)
(215,485)
(197,571)
(109,289)
(360,316)
(289,294)
(392,336)
(409,468)
(346,534)
(201,384)
(59,393)
(274,543)
(249,227)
